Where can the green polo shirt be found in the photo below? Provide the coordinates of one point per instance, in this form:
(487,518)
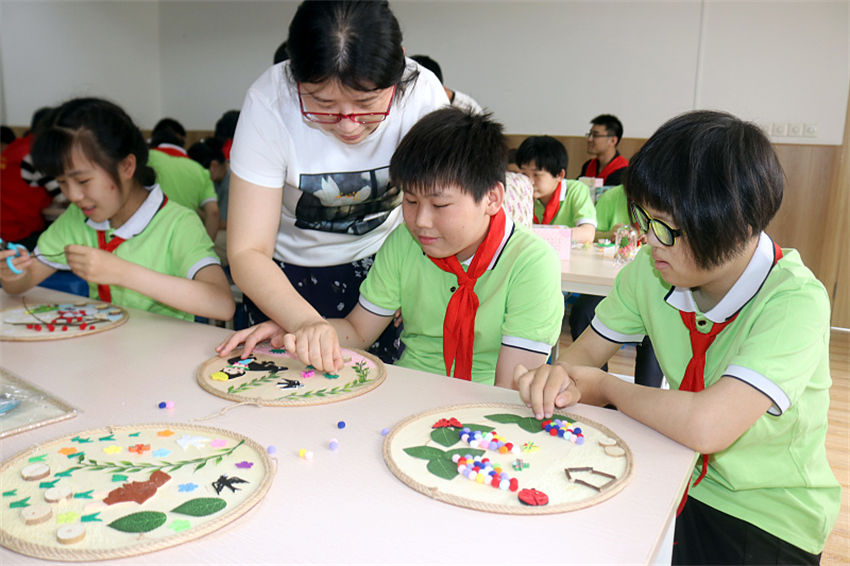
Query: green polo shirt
(576,206)
(185,181)
(520,300)
(776,475)
(612,208)
(170,239)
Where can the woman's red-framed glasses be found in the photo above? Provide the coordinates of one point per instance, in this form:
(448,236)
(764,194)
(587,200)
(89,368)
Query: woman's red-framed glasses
(333,118)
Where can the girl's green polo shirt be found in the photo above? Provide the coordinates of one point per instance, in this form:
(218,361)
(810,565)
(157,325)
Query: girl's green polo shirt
(170,240)
(612,208)
(520,300)
(776,475)
(576,206)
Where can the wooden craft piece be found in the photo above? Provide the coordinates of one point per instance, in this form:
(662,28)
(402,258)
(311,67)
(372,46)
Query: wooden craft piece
(33,322)
(57,494)
(430,453)
(36,514)
(70,534)
(35,471)
(122,491)
(274,377)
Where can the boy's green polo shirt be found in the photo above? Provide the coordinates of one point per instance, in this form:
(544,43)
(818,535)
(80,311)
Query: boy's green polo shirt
(170,240)
(776,475)
(520,300)
(612,208)
(576,206)
(185,181)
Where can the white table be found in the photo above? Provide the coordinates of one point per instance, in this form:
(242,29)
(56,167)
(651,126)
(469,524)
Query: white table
(343,506)
(589,272)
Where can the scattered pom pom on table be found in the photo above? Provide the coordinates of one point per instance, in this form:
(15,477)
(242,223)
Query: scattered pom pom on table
(305,454)
(385,431)
(169,404)
(340,424)
(333,444)
(271,449)
(162,405)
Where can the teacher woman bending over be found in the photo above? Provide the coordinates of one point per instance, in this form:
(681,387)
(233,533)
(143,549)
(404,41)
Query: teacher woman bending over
(310,201)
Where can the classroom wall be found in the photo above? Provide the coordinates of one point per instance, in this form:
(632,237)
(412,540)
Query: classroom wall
(541,66)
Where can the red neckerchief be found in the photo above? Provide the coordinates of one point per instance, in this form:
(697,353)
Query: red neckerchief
(459,324)
(552,206)
(103,291)
(226,148)
(171,151)
(614,165)
(694,379)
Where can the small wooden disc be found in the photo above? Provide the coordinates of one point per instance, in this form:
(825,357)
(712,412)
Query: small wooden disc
(36,514)
(101,306)
(56,494)
(35,472)
(70,534)
(81,303)
(615,451)
(114,311)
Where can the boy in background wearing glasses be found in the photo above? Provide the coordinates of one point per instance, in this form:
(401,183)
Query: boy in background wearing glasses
(557,200)
(479,294)
(741,330)
(604,136)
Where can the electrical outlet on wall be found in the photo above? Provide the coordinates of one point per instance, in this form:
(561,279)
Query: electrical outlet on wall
(810,130)
(779,129)
(795,129)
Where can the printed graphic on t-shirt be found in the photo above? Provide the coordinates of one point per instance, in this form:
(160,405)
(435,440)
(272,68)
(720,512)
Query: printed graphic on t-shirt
(345,203)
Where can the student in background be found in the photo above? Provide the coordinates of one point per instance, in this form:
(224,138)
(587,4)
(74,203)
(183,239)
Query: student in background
(120,233)
(209,154)
(22,197)
(741,329)
(7,136)
(456,98)
(605,134)
(557,200)
(225,129)
(310,198)
(182,179)
(456,245)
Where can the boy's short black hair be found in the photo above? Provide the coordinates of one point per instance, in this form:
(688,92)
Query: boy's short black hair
(168,130)
(612,125)
(451,147)
(547,153)
(206,151)
(7,135)
(429,64)
(717,176)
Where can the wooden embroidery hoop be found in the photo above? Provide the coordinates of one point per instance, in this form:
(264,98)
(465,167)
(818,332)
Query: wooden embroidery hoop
(202,376)
(434,492)
(142,547)
(58,335)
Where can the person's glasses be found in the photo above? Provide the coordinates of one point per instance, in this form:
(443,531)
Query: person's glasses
(594,135)
(665,234)
(333,118)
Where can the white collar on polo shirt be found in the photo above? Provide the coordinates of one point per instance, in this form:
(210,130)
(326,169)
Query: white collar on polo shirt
(509,230)
(744,289)
(139,220)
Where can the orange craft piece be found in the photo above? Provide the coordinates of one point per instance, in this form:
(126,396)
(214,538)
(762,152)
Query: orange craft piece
(138,491)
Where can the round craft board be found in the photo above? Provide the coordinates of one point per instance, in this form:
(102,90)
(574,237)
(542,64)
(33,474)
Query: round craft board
(545,471)
(100,316)
(184,507)
(361,373)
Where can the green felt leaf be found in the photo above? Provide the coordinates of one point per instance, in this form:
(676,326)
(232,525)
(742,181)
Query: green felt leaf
(25,502)
(528,424)
(481,427)
(141,522)
(10,493)
(39,458)
(199,466)
(447,436)
(443,468)
(563,418)
(84,494)
(504,418)
(201,507)
(425,452)
(90,518)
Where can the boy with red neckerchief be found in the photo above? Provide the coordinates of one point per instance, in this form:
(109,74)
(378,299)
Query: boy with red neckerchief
(557,200)
(478,293)
(741,331)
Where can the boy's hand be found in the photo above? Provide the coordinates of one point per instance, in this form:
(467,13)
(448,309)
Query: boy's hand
(546,388)
(94,265)
(21,263)
(252,336)
(317,344)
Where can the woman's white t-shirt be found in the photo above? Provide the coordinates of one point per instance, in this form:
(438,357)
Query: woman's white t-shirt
(337,203)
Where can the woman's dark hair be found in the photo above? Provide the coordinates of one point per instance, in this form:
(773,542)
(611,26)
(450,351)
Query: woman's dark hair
(451,147)
(715,175)
(547,153)
(225,127)
(357,42)
(102,131)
